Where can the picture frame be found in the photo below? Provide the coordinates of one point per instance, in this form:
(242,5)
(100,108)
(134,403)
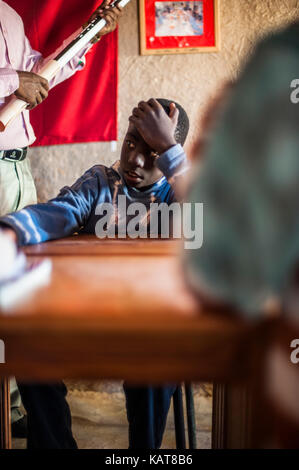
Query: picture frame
(178,27)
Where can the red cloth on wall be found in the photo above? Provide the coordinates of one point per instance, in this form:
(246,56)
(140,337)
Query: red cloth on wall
(84,107)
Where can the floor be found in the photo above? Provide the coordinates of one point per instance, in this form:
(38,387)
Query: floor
(99,416)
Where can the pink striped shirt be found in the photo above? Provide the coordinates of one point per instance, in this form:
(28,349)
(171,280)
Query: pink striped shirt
(17,54)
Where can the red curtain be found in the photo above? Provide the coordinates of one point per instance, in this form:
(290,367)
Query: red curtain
(84,107)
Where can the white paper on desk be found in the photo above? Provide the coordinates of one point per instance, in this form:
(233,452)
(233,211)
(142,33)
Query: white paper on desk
(25,281)
(11,264)
(16,269)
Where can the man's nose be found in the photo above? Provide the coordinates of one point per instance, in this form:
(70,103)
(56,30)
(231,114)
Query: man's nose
(137,159)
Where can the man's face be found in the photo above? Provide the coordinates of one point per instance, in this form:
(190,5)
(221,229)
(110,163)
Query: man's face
(137,160)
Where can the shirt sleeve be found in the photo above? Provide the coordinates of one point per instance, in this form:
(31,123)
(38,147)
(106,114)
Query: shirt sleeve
(249,189)
(174,165)
(60,217)
(35,61)
(9,82)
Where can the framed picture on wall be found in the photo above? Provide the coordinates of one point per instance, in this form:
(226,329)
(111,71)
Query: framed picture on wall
(178,27)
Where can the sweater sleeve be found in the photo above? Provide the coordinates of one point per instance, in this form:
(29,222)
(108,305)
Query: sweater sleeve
(174,165)
(59,217)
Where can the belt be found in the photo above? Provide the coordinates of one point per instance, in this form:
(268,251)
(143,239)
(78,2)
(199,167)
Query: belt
(15,155)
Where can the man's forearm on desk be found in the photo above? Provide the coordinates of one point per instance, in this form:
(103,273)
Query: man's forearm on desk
(59,217)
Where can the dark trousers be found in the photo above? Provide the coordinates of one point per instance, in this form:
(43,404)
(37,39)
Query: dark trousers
(147,410)
(49,417)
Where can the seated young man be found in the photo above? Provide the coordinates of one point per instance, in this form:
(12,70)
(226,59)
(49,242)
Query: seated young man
(152,160)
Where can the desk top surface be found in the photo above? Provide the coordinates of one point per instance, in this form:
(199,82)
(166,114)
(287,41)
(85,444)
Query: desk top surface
(114,300)
(109,278)
(91,245)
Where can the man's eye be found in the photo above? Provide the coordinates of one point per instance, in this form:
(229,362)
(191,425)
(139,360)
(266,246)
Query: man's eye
(154,154)
(130,144)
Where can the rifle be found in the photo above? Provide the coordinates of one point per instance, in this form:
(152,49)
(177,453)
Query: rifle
(16,106)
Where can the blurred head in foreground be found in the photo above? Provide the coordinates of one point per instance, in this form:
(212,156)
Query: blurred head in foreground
(249,185)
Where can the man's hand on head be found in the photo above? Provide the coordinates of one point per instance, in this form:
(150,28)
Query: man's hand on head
(32,88)
(111,15)
(154,125)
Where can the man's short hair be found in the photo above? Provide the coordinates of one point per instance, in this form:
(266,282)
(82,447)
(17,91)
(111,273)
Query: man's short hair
(182,128)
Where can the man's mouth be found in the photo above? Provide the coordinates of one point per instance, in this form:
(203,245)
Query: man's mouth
(133,177)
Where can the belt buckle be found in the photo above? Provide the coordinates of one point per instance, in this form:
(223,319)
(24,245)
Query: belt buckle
(14,155)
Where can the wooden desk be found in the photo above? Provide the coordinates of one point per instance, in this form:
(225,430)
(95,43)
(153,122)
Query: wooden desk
(113,311)
(120,310)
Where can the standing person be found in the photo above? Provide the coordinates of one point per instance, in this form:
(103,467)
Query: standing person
(19,67)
